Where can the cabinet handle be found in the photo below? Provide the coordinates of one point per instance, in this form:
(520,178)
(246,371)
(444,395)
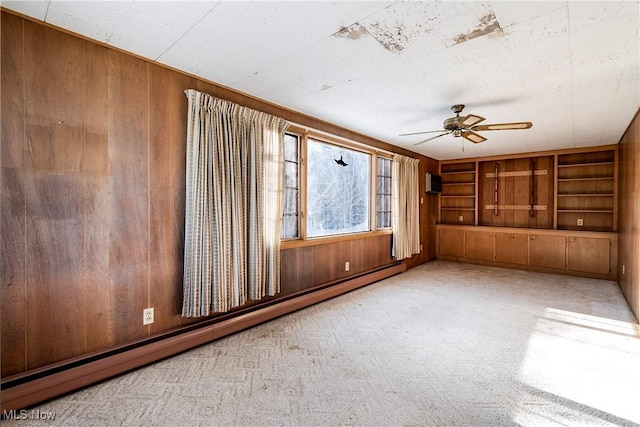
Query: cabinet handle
(533,237)
(514,236)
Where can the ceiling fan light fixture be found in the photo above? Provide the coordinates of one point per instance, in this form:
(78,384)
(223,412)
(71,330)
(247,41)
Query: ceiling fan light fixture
(457,132)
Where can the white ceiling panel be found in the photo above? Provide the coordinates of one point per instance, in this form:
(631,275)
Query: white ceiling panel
(384,68)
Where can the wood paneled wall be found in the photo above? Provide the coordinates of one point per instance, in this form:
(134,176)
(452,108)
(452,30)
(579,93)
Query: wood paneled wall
(518,191)
(629,215)
(93,177)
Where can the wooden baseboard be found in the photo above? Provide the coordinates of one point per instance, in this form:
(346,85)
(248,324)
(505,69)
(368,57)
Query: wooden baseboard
(22,391)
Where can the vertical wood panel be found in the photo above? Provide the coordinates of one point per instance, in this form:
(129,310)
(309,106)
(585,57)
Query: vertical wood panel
(55,196)
(128,155)
(521,192)
(544,193)
(628,218)
(161,259)
(12,212)
(166,182)
(99,326)
(507,193)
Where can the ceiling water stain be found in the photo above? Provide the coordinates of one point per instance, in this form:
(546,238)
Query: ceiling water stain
(393,38)
(487,25)
(353,32)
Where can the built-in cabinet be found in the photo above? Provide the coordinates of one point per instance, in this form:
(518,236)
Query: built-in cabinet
(590,254)
(565,190)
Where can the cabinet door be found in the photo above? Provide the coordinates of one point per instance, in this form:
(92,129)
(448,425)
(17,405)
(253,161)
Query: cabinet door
(589,254)
(547,251)
(479,245)
(512,248)
(451,242)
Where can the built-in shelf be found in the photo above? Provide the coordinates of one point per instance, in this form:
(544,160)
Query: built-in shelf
(586,191)
(580,191)
(458,197)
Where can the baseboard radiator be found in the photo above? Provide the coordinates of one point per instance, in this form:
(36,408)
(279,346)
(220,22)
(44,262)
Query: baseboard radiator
(33,387)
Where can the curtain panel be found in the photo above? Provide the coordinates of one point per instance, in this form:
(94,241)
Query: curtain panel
(234,196)
(405,210)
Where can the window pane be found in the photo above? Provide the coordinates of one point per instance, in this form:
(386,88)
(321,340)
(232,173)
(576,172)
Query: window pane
(337,189)
(383,193)
(291,175)
(290,218)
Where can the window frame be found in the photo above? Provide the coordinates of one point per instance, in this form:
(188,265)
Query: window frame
(377,177)
(303,239)
(298,188)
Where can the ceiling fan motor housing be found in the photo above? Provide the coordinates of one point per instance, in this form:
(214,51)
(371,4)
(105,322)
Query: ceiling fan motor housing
(452,123)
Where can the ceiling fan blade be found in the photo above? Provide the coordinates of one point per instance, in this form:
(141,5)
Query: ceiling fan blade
(420,133)
(473,137)
(433,137)
(503,126)
(470,120)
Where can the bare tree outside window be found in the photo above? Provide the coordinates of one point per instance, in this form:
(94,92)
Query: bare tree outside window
(338,182)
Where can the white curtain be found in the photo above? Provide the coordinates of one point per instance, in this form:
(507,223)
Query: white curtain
(233,208)
(405,209)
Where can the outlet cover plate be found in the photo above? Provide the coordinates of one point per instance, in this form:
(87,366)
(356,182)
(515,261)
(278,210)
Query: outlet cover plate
(147,316)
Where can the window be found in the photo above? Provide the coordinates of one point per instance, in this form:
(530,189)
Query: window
(291,214)
(338,188)
(383,193)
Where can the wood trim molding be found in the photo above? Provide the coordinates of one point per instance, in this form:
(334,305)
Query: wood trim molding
(532,154)
(19,391)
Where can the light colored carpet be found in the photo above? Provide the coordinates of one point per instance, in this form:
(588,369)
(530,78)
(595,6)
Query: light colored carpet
(442,344)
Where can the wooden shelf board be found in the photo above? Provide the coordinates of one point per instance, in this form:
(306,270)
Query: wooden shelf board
(591,178)
(458,183)
(607,211)
(457,209)
(456,172)
(573,165)
(586,195)
(453,196)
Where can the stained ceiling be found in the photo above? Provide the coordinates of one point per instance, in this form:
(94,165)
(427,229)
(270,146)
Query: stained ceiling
(386,68)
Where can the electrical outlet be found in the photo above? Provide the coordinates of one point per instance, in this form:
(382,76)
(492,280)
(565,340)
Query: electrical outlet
(460,218)
(147,316)
(346,266)
(622,268)
(580,222)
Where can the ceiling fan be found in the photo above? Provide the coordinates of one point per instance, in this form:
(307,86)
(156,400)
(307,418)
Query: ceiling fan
(467,127)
